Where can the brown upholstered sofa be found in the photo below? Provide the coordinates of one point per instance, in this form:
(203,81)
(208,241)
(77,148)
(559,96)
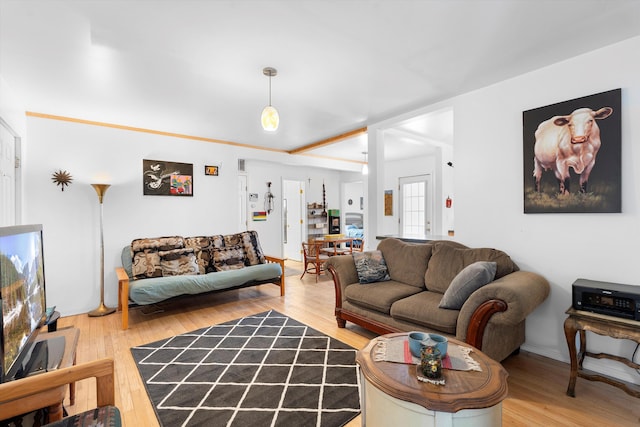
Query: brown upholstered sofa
(492,318)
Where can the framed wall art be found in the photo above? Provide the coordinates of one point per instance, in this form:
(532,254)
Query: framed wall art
(211,170)
(572,156)
(161,178)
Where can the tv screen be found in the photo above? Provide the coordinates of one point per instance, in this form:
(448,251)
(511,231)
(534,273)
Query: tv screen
(23,293)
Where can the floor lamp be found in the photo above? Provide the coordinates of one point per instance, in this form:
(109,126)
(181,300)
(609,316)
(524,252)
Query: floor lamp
(102,310)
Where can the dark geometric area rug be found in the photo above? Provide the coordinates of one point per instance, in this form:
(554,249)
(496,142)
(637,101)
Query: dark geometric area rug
(261,370)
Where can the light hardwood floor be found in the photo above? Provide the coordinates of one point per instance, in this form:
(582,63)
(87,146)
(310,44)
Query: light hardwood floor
(537,384)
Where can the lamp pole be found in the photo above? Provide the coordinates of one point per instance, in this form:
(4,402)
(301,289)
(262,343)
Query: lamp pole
(102,310)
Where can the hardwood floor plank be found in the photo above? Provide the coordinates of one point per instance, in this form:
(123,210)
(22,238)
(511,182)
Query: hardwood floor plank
(537,385)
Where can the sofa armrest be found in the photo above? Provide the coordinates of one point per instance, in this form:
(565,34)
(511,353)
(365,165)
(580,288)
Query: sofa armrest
(508,301)
(281,262)
(344,273)
(123,295)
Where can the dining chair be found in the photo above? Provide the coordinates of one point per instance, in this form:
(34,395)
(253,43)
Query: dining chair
(313,259)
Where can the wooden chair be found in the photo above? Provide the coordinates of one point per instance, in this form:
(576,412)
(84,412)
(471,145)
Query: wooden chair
(358,245)
(314,258)
(17,397)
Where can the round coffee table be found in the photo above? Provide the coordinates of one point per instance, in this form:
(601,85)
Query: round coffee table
(392,395)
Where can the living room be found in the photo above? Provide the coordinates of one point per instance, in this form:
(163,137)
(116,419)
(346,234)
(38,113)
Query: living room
(488,190)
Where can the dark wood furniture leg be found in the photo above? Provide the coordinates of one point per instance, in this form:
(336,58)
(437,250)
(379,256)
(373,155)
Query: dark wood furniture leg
(570,331)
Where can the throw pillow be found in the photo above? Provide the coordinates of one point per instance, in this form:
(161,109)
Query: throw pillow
(370,267)
(446,262)
(252,249)
(178,262)
(472,277)
(144,255)
(202,250)
(228,258)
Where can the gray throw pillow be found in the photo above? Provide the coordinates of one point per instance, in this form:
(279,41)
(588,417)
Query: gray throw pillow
(371,267)
(472,277)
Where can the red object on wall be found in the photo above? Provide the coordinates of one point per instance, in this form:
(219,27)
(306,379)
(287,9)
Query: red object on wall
(448,202)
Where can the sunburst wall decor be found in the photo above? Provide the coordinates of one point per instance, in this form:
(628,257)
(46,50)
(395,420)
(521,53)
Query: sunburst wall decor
(62,178)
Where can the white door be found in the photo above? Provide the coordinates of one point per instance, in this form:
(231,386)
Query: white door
(8,175)
(415,205)
(292,209)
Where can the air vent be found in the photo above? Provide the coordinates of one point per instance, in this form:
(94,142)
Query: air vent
(241,165)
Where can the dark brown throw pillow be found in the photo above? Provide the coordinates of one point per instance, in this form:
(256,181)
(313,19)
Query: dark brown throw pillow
(144,254)
(228,258)
(202,250)
(178,262)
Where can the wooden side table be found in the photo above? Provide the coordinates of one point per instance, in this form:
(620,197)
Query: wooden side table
(51,398)
(393,396)
(601,324)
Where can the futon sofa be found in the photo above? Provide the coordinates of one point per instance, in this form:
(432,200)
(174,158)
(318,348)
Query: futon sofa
(486,306)
(157,269)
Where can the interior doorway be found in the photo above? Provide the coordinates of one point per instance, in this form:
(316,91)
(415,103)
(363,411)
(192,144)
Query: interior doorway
(292,209)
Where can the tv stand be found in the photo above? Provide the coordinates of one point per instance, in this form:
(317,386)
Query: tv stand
(54,397)
(45,355)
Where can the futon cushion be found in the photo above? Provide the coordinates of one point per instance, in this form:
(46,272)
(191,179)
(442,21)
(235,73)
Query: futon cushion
(228,258)
(177,262)
(471,278)
(370,267)
(145,257)
(446,262)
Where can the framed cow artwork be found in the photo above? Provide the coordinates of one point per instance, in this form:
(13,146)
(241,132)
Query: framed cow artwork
(572,156)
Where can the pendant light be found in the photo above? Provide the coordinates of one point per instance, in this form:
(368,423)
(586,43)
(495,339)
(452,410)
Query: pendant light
(365,166)
(270,118)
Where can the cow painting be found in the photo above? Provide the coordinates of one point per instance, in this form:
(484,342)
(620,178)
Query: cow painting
(574,149)
(570,141)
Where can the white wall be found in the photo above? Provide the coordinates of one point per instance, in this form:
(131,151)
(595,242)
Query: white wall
(393,171)
(101,154)
(562,247)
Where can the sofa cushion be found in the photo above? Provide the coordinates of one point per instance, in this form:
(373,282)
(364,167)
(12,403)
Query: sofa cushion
(379,295)
(144,254)
(446,262)
(228,258)
(371,267)
(202,250)
(471,278)
(178,262)
(407,262)
(252,249)
(249,242)
(422,308)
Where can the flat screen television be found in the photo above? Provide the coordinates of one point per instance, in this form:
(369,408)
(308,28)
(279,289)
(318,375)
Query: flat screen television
(22,282)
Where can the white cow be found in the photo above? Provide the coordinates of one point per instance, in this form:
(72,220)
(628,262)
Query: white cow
(568,141)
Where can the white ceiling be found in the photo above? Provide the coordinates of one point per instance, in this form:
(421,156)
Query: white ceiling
(195,66)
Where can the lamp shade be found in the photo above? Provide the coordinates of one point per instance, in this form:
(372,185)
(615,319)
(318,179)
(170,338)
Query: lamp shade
(270,119)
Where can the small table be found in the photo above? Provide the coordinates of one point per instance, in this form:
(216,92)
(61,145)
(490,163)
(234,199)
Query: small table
(601,324)
(392,395)
(335,248)
(54,397)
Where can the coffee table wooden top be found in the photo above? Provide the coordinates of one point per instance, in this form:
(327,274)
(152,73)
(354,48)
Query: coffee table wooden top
(462,389)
